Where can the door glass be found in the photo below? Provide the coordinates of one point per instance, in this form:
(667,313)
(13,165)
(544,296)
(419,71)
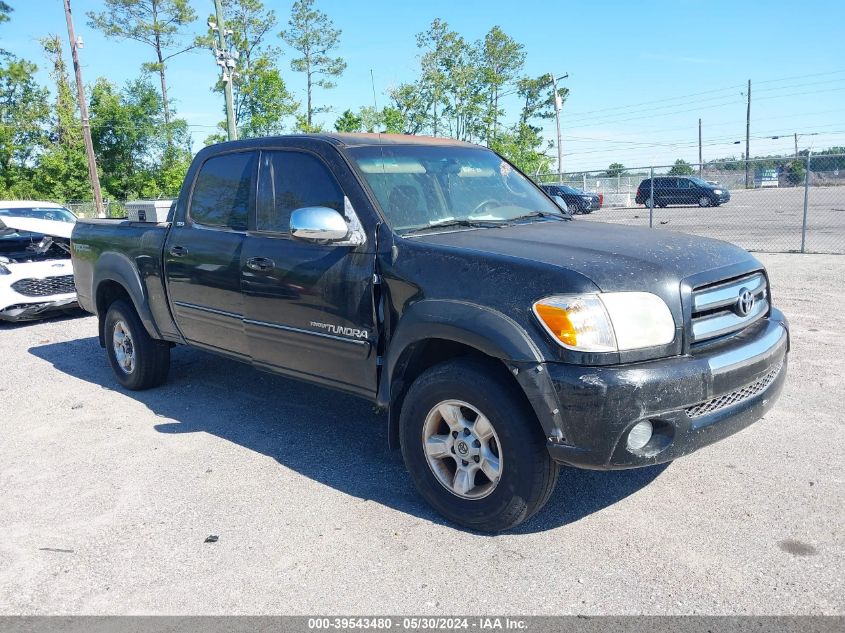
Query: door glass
(289,181)
(221,192)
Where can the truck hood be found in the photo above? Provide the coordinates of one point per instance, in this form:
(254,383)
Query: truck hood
(615,257)
(53,228)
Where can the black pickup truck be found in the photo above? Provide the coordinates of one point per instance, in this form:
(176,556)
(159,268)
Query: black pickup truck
(433,278)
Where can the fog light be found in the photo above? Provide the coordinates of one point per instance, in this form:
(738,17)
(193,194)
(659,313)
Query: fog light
(640,435)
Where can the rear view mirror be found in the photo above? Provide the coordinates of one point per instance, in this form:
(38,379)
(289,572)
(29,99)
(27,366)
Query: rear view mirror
(318,224)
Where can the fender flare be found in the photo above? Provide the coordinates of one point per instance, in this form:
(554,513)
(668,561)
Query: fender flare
(116,267)
(491,332)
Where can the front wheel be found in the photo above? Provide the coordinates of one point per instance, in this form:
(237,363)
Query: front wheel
(473,447)
(138,360)
(704,201)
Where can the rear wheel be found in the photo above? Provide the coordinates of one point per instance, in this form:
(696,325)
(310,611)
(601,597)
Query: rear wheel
(138,360)
(474,450)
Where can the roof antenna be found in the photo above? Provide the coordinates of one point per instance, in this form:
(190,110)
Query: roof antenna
(373,84)
(378,129)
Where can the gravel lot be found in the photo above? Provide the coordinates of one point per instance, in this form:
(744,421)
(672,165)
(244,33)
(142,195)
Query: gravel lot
(107,497)
(757,219)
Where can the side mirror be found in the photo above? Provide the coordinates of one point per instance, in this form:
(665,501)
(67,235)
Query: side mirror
(563,206)
(318,224)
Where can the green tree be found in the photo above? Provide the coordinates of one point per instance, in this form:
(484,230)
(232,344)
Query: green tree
(262,101)
(313,36)
(159,24)
(410,107)
(127,130)
(5,10)
(348,122)
(538,97)
(63,168)
(796,171)
(392,120)
(24,118)
(451,82)
(502,60)
(681,168)
(523,146)
(614,170)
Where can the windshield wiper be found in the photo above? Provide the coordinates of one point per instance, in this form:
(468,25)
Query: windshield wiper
(541,214)
(462,222)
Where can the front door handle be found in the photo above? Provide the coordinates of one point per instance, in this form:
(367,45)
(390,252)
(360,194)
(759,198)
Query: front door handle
(178,251)
(260,264)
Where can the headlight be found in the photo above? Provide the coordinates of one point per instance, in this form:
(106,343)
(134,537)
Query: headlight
(607,322)
(718,192)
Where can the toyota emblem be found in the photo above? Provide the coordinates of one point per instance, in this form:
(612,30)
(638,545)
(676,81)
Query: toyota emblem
(745,303)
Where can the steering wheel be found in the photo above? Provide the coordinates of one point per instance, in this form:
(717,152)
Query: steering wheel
(481,205)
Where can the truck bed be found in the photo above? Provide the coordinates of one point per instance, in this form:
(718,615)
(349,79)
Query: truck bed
(141,243)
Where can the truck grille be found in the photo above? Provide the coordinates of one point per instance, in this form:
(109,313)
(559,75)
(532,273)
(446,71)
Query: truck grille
(728,399)
(45,287)
(728,306)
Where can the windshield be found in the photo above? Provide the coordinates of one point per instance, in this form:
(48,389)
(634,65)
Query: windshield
(700,182)
(57,214)
(418,186)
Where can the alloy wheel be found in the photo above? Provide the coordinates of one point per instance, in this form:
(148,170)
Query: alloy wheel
(462,449)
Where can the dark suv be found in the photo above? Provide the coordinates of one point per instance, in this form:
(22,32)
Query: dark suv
(576,201)
(681,190)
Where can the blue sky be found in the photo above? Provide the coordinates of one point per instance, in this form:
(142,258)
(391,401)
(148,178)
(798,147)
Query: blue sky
(641,73)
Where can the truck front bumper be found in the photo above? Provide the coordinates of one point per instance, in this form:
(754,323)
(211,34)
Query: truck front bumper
(691,401)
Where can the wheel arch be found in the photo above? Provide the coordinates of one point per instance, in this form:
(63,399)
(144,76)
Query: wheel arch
(434,331)
(117,278)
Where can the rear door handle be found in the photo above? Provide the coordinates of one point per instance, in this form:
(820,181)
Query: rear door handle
(261,264)
(178,251)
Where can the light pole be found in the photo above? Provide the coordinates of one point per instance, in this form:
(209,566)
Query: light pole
(75,45)
(226,60)
(796,136)
(558,106)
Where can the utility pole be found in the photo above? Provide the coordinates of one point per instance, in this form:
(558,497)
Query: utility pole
(796,144)
(747,134)
(83,114)
(558,106)
(226,61)
(700,162)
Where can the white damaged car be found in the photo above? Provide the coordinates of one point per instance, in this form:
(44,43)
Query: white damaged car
(36,275)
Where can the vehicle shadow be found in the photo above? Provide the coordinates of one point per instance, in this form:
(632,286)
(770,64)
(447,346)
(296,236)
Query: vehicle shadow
(336,439)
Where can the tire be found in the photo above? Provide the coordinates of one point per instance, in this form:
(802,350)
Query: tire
(137,360)
(471,392)
(704,201)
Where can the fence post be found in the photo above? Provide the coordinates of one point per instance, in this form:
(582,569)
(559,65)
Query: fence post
(651,198)
(584,178)
(806,201)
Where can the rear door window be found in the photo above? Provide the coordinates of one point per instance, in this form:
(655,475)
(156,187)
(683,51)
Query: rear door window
(222,191)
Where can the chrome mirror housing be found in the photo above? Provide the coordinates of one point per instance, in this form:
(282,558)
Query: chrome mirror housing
(563,206)
(318,224)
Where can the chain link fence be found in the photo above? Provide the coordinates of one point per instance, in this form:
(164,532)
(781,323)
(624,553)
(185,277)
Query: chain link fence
(87,209)
(774,205)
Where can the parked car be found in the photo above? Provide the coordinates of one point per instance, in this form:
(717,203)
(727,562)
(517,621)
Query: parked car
(433,278)
(681,190)
(576,200)
(36,278)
